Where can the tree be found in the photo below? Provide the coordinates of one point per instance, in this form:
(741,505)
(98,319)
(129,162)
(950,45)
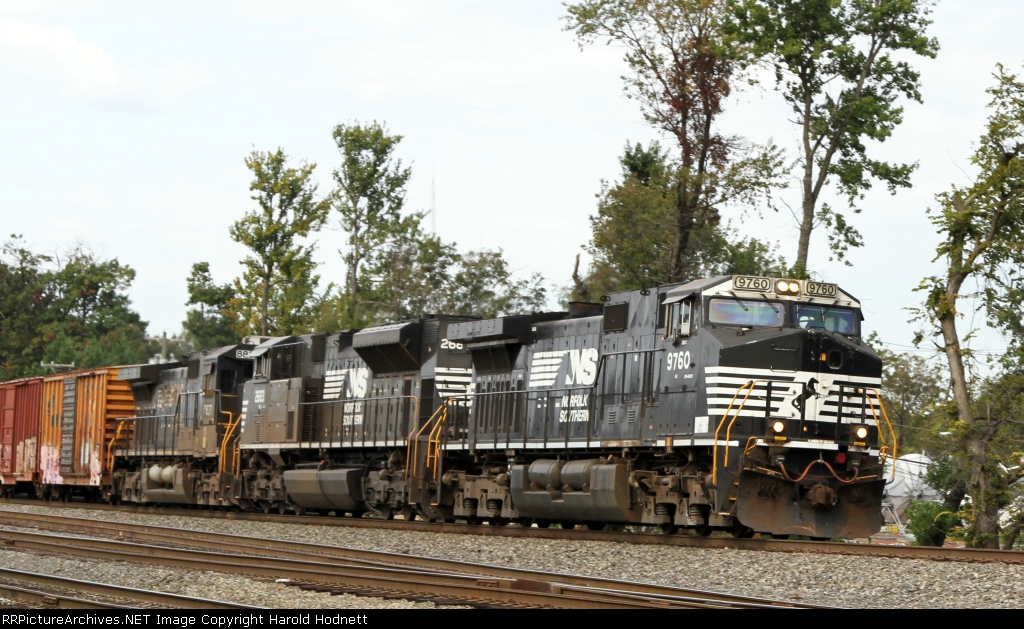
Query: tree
(210,324)
(632,234)
(916,398)
(369,198)
(22,309)
(89,320)
(277,290)
(684,63)
(979,225)
(840,67)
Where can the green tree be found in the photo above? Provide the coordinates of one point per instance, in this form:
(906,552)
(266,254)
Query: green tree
(277,291)
(369,198)
(89,320)
(209,324)
(841,66)
(684,64)
(483,284)
(979,226)
(916,398)
(22,309)
(632,233)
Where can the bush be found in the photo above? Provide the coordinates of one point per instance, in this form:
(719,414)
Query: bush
(929,522)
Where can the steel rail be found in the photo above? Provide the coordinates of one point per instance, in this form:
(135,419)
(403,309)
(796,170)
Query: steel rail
(396,582)
(852,548)
(118,597)
(284,549)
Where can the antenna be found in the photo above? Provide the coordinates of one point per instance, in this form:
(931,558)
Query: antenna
(55,367)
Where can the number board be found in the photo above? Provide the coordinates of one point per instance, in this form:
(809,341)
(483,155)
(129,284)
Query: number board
(818,289)
(241,354)
(746,282)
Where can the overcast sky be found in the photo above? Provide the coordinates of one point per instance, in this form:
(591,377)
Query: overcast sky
(125,125)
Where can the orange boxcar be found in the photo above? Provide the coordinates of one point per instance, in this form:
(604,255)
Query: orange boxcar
(19,432)
(78,423)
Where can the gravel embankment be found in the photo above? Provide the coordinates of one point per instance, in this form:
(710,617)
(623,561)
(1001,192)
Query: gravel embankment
(854,582)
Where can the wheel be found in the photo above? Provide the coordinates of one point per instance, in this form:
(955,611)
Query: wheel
(594,526)
(497,521)
(742,532)
(472,520)
(669,528)
(524,522)
(300,510)
(543,524)
(265,505)
(359,514)
(820,539)
(409,513)
(282,508)
(780,536)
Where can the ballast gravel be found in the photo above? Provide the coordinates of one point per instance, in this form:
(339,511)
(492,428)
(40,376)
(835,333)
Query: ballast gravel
(835,580)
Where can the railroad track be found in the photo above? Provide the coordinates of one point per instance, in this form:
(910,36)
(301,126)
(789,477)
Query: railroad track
(334,569)
(627,537)
(42,591)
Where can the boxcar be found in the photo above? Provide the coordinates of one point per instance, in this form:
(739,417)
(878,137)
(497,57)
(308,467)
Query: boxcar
(19,434)
(78,424)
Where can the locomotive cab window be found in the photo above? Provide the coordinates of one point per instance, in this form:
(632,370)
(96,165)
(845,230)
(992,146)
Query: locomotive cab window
(679,318)
(842,320)
(746,313)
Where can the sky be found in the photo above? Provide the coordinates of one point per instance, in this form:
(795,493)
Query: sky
(125,126)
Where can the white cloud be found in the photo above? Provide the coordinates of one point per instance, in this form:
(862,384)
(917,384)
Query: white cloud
(85,68)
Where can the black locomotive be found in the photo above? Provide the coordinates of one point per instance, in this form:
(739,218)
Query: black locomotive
(736,403)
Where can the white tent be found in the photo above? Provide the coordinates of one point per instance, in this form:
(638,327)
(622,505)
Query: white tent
(909,483)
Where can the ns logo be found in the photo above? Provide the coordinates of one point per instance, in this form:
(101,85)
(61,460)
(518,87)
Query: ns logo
(581,369)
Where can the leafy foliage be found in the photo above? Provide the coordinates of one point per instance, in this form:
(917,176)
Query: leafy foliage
(395,269)
(916,399)
(683,63)
(841,67)
(70,308)
(209,324)
(979,226)
(930,522)
(277,290)
(632,233)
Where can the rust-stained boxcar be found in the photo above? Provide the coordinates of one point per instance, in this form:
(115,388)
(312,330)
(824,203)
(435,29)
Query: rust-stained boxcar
(19,433)
(80,410)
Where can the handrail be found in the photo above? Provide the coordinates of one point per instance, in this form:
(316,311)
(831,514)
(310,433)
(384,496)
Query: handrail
(412,447)
(714,456)
(117,435)
(883,451)
(231,425)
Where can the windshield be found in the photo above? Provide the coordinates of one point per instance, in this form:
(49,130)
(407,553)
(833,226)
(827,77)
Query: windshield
(843,320)
(745,312)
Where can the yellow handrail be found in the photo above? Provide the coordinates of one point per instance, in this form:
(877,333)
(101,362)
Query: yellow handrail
(110,448)
(231,425)
(749,386)
(883,450)
(412,447)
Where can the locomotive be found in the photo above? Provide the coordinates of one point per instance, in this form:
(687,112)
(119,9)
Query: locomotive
(735,403)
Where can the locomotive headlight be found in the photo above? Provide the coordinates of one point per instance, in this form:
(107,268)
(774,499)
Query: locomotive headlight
(861,432)
(787,287)
(778,426)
